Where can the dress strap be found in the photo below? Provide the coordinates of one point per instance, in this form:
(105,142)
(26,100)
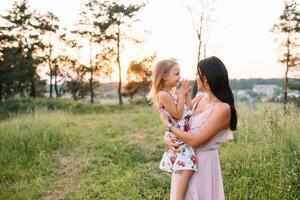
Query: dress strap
(196,104)
(173,97)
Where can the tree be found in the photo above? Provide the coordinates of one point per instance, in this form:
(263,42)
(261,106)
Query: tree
(121,16)
(74,75)
(21,33)
(62,61)
(139,77)
(93,26)
(78,87)
(289,28)
(8,73)
(201,13)
(51,25)
(102,63)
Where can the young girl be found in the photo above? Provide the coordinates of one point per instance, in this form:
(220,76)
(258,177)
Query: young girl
(177,105)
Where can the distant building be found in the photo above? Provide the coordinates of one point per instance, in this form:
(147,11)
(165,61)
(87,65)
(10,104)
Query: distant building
(294,93)
(243,95)
(267,90)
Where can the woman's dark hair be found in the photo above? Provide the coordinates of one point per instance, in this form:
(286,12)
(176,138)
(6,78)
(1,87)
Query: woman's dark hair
(214,71)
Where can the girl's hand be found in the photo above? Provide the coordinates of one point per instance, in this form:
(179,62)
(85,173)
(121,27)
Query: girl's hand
(170,144)
(180,91)
(186,87)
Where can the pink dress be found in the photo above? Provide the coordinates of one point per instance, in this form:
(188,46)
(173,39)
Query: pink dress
(206,183)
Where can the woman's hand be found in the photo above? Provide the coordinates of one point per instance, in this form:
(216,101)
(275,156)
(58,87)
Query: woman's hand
(164,117)
(168,141)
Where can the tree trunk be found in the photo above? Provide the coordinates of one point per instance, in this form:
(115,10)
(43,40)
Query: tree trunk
(91,71)
(55,85)
(199,34)
(32,88)
(286,73)
(50,69)
(285,86)
(1,97)
(92,87)
(119,66)
(50,86)
(60,89)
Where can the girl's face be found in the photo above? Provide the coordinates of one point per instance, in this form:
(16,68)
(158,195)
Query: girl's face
(173,77)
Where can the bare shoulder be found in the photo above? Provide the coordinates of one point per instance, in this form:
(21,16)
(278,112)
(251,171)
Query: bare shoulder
(222,109)
(164,96)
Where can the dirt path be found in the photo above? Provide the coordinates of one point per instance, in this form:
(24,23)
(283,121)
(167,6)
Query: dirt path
(66,173)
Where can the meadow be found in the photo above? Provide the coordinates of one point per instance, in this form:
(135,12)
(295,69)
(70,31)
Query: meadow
(58,149)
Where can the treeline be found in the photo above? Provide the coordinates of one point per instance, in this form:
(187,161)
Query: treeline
(238,84)
(32,42)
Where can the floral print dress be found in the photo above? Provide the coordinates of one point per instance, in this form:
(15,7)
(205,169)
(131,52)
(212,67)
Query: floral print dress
(185,159)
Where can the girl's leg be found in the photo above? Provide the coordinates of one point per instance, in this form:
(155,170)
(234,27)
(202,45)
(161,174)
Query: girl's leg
(182,183)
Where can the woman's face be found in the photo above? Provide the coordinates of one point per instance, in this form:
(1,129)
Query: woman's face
(199,82)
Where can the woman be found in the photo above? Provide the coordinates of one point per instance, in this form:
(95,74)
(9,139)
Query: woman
(212,122)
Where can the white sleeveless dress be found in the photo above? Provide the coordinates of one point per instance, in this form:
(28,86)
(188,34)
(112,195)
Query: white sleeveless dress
(185,159)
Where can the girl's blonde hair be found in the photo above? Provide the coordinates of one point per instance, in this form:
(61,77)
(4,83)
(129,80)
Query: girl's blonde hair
(161,68)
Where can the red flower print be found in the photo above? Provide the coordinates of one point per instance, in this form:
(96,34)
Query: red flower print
(194,159)
(180,163)
(186,127)
(173,160)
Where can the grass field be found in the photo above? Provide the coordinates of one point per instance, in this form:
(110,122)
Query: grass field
(64,150)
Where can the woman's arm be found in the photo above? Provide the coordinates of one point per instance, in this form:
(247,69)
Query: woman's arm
(219,120)
(170,144)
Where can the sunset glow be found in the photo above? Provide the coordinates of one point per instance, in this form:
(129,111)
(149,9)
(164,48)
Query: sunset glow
(240,34)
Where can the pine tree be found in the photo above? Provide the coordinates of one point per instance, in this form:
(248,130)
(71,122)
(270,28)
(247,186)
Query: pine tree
(289,28)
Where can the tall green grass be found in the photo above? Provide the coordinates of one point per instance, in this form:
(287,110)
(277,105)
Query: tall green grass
(14,107)
(28,146)
(82,151)
(263,162)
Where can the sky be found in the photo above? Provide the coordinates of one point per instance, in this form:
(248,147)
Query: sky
(239,33)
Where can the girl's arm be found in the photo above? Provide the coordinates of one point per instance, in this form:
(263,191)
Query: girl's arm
(219,120)
(188,101)
(166,100)
(186,89)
